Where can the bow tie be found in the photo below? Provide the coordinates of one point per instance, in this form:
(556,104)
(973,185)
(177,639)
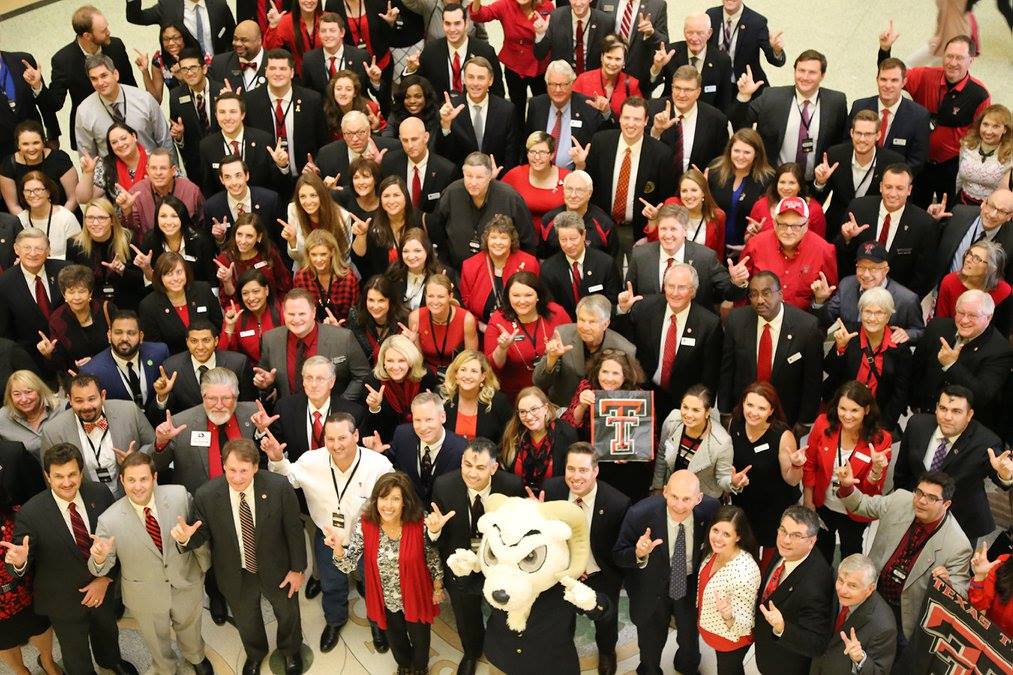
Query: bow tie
(244,65)
(102,424)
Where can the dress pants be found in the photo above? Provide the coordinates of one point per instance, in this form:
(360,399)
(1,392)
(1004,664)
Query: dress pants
(606,631)
(470,622)
(183,619)
(653,634)
(730,663)
(409,641)
(250,621)
(97,624)
(517,89)
(838,523)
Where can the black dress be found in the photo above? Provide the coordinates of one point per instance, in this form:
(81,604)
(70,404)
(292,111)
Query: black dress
(767,495)
(54,165)
(74,341)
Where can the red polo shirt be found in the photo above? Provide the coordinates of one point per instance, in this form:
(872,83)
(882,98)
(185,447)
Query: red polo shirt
(953,109)
(797,272)
(311,350)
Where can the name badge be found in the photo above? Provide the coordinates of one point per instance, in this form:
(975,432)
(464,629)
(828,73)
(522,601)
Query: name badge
(221,32)
(200,439)
(103,474)
(518,338)
(710,89)
(202,308)
(576,124)
(214,165)
(862,456)
(247,333)
(189,258)
(338,520)
(794,357)
(899,574)
(108,290)
(899,141)
(474,245)
(688,341)
(761,448)
(262,263)
(608,8)
(433,195)
(595,288)
(904,251)
(808,145)
(185,99)
(337,360)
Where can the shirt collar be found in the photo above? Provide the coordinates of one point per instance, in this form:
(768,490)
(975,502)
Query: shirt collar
(856,164)
(248,492)
(892,108)
(483,104)
(579,261)
(735,18)
(790,565)
(421,165)
(894,215)
(937,438)
(702,56)
(484,493)
(63,504)
(799,98)
(680,317)
(337,54)
(210,363)
(775,323)
(122,363)
(245,201)
(462,50)
(30,278)
(687,521)
(587,499)
(434,447)
(139,508)
(686,116)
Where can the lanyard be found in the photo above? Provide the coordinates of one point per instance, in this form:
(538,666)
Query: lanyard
(227,144)
(111,115)
(441,351)
(95,451)
(801,118)
(325,296)
(341,493)
(696,232)
(497,292)
(868,172)
(49,218)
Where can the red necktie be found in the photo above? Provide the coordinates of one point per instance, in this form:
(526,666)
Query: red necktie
(318,431)
(883,120)
(41,297)
(622,187)
(235,147)
(456,69)
(668,357)
(82,537)
(333,68)
(764,355)
(557,128)
(416,188)
(215,455)
(580,47)
(247,65)
(775,580)
(154,531)
(279,121)
(624,27)
(575,281)
(842,616)
(884,232)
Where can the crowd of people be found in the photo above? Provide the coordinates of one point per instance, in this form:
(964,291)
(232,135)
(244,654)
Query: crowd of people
(350,245)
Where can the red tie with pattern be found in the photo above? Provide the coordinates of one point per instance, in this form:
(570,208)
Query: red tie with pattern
(333,67)
(884,232)
(622,187)
(154,531)
(557,128)
(235,147)
(280,133)
(884,122)
(575,281)
(416,188)
(764,355)
(82,537)
(668,356)
(41,297)
(318,431)
(456,68)
(842,616)
(775,580)
(624,27)
(579,49)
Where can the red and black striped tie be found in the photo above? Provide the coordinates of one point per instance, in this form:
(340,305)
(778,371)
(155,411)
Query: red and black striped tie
(154,531)
(82,537)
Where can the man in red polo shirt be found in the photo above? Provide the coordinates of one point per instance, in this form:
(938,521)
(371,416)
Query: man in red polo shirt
(798,257)
(954,100)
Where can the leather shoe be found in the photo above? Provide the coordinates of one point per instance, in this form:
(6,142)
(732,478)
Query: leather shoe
(312,588)
(219,610)
(124,668)
(293,665)
(252,666)
(380,643)
(204,667)
(467,666)
(606,664)
(329,638)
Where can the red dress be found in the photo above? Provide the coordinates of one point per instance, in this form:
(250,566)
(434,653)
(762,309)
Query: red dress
(762,213)
(441,342)
(516,372)
(518,53)
(539,200)
(590,83)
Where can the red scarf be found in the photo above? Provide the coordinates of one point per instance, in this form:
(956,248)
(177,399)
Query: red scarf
(866,375)
(123,173)
(416,584)
(401,394)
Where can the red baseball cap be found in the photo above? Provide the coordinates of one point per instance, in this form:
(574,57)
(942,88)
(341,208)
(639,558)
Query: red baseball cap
(793,205)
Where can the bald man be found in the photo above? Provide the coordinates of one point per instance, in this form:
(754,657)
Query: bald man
(247,48)
(660,541)
(714,65)
(425,173)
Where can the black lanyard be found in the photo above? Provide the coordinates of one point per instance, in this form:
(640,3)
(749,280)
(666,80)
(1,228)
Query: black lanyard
(341,493)
(801,118)
(496,291)
(868,172)
(123,117)
(533,335)
(229,151)
(440,351)
(696,232)
(49,218)
(87,437)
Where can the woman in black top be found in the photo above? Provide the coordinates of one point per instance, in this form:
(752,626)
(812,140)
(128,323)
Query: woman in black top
(397,378)
(363,200)
(374,252)
(737,179)
(33,155)
(176,300)
(475,406)
(103,245)
(414,97)
(378,315)
(416,263)
(78,329)
(174,231)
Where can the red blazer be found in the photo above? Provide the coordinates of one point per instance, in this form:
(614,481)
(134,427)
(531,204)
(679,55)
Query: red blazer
(282,36)
(476,285)
(589,83)
(518,53)
(821,455)
(715,237)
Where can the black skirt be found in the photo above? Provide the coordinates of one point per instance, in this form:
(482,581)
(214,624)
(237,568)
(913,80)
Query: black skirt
(16,630)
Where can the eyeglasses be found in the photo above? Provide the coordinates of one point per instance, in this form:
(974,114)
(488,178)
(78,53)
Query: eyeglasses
(570,190)
(97,219)
(27,248)
(190,69)
(360,132)
(925,496)
(865,134)
(791,226)
(765,293)
(33,192)
(685,90)
(539,153)
(961,314)
(558,85)
(530,411)
(973,257)
(217,400)
(993,207)
(793,536)
(874,313)
(314,379)
(869,269)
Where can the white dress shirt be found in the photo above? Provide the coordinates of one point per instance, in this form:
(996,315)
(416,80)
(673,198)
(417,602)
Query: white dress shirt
(190,9)
(195,364)
(937,438)
(634,168)
(733,32)
(121,366)
(462,52)
(101,443)
(251,80)
(677,257)
(251,500)
(895,217)
(790,143)
(666,326)
(410,174)
(689,120)
(893,113)
(861,174)
(82,511)
(775,331)
(470,111)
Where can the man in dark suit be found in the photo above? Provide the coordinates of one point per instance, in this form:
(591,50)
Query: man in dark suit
(573,34)
(794,349)
(993,220)
(334,158)
(902,124)
(643,25)
(242,68)
(423,449)
(576,118)
(458,502)
(30,294)
(424,172)
(864,638)
(713,65)
(23,96)
(210,25)
(965,350)
(852,169)
(622,148)
(191,109)
(906,231)
(21,474)
(442,60)
(578,271)
(185,371)
(321,64)
(661,539)
(300,129)
(224,206)
(797,123)
(952,442)
(478,120)
(605,507)
(742,33)
(793,619)
(68,73)
(267,559)
(696,132)
(678,341)
(52,540)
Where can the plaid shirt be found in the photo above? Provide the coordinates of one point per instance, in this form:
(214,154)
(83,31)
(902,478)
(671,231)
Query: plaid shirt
(339,297)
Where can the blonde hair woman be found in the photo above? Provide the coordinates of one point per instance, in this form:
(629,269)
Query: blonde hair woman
(28,405)
(103,245)
(475,406)
(398,376)
(327,277)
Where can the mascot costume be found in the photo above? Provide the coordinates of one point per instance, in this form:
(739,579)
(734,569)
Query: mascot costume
(531,555)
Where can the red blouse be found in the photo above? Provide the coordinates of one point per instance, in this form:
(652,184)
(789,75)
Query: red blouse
(984,597)
(477,282)
(518,53)
(441,342)
(279,279)
(591,83)
(539,200)
(249,329)
(283,36)
(516,372)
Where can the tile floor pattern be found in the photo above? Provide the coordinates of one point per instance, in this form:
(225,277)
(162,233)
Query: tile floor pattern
(845,31)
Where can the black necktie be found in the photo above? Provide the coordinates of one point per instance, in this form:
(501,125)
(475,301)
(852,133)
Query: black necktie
(202,113)
(117,114)
(135,384)
(426,464)
(201,372)
(300,359)
(477,511)
(677,583)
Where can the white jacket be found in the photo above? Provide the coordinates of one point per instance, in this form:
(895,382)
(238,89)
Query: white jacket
(712,462)
(739,580)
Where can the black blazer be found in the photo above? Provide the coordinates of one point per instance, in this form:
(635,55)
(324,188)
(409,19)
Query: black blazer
(264,203)
(161,323)
(797,382)
(315,72)
(610,507)
(20,317)
(983,366)
(200,252)
(491,420)
(183,105)
(27,106)
(751,193)
(715,283)
(223,23)
(13,357)
(647,586)
(332,158)
(440,172)
(309,128)
(875,627)
(404,451)
(279,532)
(247,9)
(263,171)
(557,43)
(387,420)
(434,65)
(291,425)
(953,230)
(709,138)
(893,385)
(753,38)
(589,118)
(842,182)
(380,32)
(186,392)
(655,178)
(69,76)
(20,473)
(9,228)
(499,140)
(909,130)
(805,598)
(599,278)
(966,463)
(715,73)
(911,251)
(225,68)
(58,566)
(641,51)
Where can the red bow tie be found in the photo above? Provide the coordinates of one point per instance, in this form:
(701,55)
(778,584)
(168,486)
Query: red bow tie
(102,424)
(244,65)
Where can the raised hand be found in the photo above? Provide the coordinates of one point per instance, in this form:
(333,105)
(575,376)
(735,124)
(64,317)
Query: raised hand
(331,320)
(408,332)
(940,572)
(845,476)
(797,456)
(888,37)
(578,152)
(87,162)
(310,166)
(166,431)
(899,335)
(555,348)
(540,497)
(261,420)
(181,532)
(141,60)
(739,272)
(176,129)
(374,399)
(274,16)
(496,168)
(822,290)
(723,605)
(753,227)
(980,564)
(824,170)
(540,24)
(225,272)
(644,25)
(663,121)
(773,616)
(436,519)
(599,103)
(219,230)
(661,58)
(279,155)
(17,554)
(412,63)
(288,232)
(121,455)
(851,229)
(359,227)
(506,339)
(375,443)
(163,384)
(125,199)
(938,209)
(294,582)
(586,398)
(142,260)
(46,346)
(777,41)
(880,461)
(740,479)
(264,379)
(627,298)
(32,76)
(390,16)
(747,86)
(1003,464)
(948,355)
(101,547)
(274,450)
(448,111)
(645,544)
(116,266)
(373,71)
(852,646)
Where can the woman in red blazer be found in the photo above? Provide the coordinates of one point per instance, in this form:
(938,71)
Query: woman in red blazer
(608,86)
(706,219)
(848,433)
(282,34)
(484,275)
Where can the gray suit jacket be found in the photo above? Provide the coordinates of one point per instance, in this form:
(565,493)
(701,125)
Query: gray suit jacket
(948,547)
(843,304)
(715,284)
(190,462)
(126,423)
(875,628)
(561,382)
(149,577)
(337,344)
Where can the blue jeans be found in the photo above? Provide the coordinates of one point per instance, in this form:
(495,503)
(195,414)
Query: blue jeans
(333,583)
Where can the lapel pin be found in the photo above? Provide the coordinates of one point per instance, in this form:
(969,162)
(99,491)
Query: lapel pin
(150,362)
(601,512)
(166,310)
(689,330)
(588,273)
(263,496)
(789,336)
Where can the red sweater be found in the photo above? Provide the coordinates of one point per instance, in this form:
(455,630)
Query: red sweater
(762,212)
(518,53)
(283,36)
(814,255)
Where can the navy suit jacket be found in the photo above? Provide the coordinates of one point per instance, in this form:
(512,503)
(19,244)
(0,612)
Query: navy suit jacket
(27,106)
(753,37)
(909,131)
(102,366)
(264,203)
(404,455)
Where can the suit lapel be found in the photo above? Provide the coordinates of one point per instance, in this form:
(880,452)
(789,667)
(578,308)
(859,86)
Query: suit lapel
(785,344)
(58,521)
(653,263)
